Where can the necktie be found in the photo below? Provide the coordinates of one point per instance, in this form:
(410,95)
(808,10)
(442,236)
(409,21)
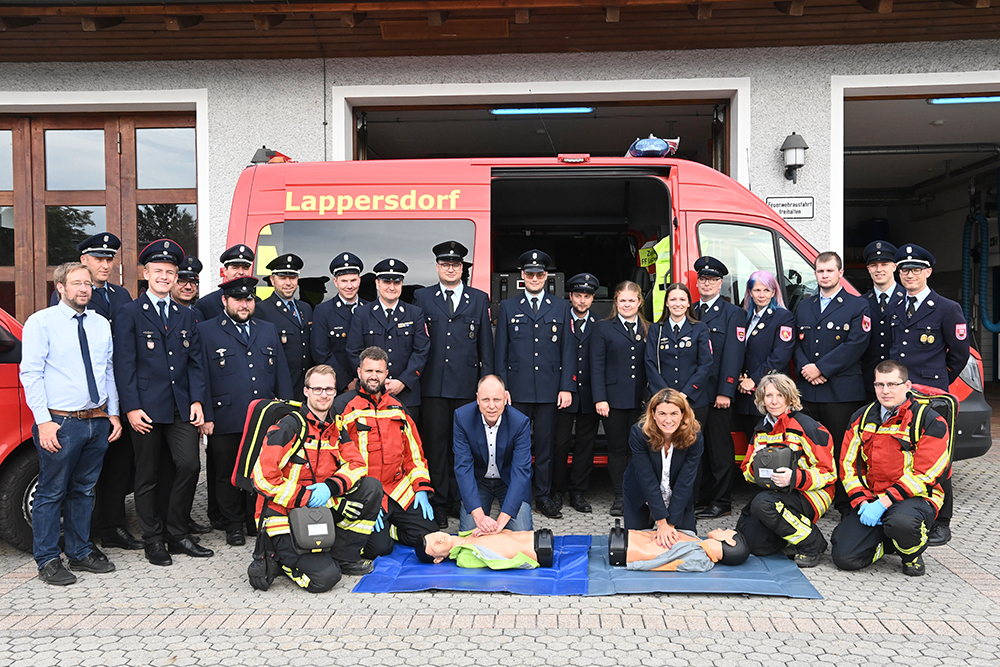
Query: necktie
(103,292)
(87,365)
(534,305)
(245,330)
(911,306)
(677,330)
(631,329)
(579,323)
(704,309)
(295,312)
(882,299)
(162,305)
(388,314)
(448,294)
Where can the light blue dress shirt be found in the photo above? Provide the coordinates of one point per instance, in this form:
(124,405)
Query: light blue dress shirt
(52,369)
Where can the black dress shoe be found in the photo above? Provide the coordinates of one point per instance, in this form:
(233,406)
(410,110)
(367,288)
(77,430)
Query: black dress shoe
(557,498)
(713,511)
(618,507)
(121,538)
(548,508)
(186,546)
(441,519)
(939,535)
(97,553)
(235,538)
(157,554)
(579,503)
(197,528)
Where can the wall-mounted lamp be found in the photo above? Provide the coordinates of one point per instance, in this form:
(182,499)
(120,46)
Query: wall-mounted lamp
(794,150)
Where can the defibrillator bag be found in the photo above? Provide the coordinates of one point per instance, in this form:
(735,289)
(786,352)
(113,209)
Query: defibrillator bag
(262,414)
(769,459)
(313,529)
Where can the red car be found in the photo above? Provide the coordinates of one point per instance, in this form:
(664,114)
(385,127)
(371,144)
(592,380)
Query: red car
(18,459)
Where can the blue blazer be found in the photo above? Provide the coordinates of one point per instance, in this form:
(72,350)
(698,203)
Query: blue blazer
(239,373)
(117,295)
(155,370)
(513,456)
(404,339)
(618,365)
(580,364)
(880,341)
(835,341)
(461,349)
(533,352)
(293,336)
(682,362)
(722,321)
(331,324)
(645,469)
(939,358)
(769,349)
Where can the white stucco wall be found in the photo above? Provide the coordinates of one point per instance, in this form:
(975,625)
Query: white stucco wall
(284,104)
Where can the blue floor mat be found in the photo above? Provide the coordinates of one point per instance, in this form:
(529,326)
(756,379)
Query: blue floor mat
(772,575)
(401,572)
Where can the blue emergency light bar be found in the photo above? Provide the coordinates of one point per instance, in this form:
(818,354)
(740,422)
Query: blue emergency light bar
(964,100)
(536,111)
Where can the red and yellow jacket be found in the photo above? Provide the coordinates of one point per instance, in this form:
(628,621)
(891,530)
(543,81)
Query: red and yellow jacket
(880,459)
(282,471)
(390,445)
(816,471)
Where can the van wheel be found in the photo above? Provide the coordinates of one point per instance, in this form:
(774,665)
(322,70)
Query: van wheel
(18,482)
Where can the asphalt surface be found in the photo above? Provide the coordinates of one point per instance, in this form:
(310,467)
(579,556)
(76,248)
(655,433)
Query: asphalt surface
(203,611)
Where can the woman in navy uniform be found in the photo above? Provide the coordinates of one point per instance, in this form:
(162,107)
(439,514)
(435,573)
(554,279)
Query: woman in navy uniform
(768,332)
(291,317)
(658,487)
(332,319)
(245,362)
(460,353)
(618,377)
(403,335)
(679,355)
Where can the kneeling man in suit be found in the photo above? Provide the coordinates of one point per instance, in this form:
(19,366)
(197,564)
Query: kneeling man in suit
(492,444)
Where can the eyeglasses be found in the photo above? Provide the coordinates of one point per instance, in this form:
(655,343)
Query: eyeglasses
(890,385)
(79,283)
(185,281)
(709,279)
(323,391)
(450,266)
(910,270)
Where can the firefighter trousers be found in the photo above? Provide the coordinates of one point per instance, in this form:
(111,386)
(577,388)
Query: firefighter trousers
(774,520)
(903,530)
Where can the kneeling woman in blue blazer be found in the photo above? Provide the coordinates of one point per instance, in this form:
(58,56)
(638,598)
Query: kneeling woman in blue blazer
(668,440)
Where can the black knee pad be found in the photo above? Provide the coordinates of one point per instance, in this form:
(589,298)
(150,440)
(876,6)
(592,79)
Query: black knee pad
(618,545)
(325,579)
(902,525)
(544,547)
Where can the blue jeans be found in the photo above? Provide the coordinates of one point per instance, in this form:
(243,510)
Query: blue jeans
(490,489)
(66,480)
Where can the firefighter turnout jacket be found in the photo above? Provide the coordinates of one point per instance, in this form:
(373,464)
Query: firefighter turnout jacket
(897,458)
(389,444)
(815,469)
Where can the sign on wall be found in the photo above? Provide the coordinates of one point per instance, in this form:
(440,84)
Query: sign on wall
(792,208)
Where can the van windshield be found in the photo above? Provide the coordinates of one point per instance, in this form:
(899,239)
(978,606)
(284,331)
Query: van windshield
(318,241)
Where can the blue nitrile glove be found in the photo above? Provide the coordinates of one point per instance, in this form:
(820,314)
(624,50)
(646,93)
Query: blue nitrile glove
(380,521)
(420,500)
(318,494)
(871,513)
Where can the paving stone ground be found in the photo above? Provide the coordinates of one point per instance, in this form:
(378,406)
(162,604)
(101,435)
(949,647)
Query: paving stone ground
(203,612)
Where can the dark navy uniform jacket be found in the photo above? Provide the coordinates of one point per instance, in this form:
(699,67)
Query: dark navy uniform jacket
(580,364)
(834,340)
(769,347)
(331,324)
(534,353)
(682,363)
(934,344)
(618,364)
(880,341)
(461,348)
(117,295)
(158,371)
(293,336)
(722,319)
(643,475)
(209,306)
(404,339)
(239,373)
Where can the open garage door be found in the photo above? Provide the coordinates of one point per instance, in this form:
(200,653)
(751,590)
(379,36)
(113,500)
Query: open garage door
(600,129)
(914,172)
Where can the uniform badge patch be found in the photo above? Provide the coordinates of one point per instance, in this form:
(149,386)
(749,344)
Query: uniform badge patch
(785,333)
(866,323)
(961,331)
(741,334)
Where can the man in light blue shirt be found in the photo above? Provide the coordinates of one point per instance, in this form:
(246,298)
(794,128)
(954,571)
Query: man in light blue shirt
(69,383)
